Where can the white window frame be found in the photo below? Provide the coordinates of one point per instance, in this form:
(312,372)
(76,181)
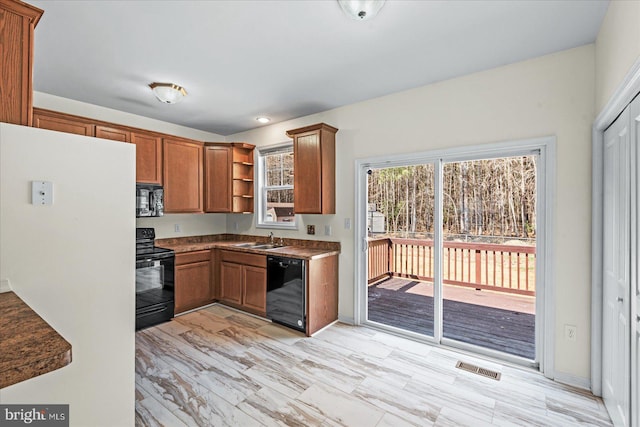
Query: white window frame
(261,203)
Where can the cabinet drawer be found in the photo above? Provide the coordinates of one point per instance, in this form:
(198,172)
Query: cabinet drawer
(244,258)
(191,257)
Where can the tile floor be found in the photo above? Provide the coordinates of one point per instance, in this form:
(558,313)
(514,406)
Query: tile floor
(219,367)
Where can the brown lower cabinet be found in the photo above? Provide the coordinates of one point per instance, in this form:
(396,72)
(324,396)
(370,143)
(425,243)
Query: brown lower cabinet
(243,281)
(322,293)
(193,284)
(239,280)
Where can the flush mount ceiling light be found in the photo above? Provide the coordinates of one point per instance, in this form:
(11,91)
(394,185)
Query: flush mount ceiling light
(168,93)
(361,10)
(263,119)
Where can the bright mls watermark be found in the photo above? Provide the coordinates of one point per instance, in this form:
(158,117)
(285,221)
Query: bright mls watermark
(34,415)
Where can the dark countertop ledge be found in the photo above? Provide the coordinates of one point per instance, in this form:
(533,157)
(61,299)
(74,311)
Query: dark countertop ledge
(293,248)
(29,346)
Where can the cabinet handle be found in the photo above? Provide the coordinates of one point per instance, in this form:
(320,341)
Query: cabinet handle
(620,299)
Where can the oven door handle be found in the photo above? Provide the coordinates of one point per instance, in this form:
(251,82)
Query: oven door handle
(151,311)
(146,263)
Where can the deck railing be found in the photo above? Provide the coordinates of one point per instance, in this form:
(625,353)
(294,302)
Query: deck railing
(504,268)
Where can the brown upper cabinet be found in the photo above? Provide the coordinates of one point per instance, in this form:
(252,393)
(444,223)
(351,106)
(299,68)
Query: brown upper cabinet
(314,181)
(182,175)
(115,134)
(45,119)
(148,157)
(17,22)
(228,171)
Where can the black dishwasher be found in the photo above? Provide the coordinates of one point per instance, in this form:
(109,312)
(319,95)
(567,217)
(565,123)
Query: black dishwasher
(286,292)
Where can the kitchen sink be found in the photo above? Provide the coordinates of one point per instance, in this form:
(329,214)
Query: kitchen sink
(266,246)
(246,245)
(254,245)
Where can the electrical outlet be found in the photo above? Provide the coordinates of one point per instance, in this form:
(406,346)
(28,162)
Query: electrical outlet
(347,223)
(235,225)
(177,228)
(570,332)
(327,230)
(311,229)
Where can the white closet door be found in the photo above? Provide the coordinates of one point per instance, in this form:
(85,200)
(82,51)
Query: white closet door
(617,270)
(634,115)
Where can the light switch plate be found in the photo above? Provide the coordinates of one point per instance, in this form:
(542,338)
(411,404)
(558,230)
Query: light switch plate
(41,193)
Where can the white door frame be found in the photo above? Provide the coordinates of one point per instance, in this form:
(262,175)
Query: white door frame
(623,95)
(545,269)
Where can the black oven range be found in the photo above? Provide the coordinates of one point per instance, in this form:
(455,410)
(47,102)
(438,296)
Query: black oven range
(155,273)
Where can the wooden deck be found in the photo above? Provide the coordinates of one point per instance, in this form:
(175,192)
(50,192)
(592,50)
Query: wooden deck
(509,329)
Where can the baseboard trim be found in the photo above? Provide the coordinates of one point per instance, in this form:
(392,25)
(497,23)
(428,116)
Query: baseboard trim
(347,320)
(5,286)
(572,380)
(199,308)
(324,328)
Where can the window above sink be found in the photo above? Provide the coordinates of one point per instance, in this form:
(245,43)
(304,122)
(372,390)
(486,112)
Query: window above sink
(275,187)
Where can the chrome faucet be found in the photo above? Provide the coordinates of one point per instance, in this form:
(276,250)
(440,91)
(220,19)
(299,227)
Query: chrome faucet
(271,239)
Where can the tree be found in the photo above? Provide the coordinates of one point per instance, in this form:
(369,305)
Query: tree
(483,197)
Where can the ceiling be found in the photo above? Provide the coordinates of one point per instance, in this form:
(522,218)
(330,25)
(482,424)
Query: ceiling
(284,59)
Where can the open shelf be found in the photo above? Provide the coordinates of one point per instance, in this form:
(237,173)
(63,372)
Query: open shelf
(235,195)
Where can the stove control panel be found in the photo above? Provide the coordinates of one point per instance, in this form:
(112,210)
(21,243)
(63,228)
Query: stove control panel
(145,233)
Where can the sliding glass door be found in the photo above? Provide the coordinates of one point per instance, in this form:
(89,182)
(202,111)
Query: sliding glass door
(488,253)
(400,230)
(450,246)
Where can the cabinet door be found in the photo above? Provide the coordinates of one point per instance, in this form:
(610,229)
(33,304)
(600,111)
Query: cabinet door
(192,285)
(307,187)
(17,21)
(148,157)
(182,176)
(60,123)
(114,134)
(255,288)
(231,282)
(218,179)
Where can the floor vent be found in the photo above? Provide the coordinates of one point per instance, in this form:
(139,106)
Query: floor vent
(478,370)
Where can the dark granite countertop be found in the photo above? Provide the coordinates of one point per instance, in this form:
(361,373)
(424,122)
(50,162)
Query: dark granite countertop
(28,345)
(293,248)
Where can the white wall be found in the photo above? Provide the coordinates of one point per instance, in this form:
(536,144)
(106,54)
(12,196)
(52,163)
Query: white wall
(74,264)
(190,224)
(617,48)
(551,95)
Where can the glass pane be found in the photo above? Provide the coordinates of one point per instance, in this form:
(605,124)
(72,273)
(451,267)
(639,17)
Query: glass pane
(274,178)
(279,169)
(287,169)
(488,258)
(400,225)
(287,178)
(279,206)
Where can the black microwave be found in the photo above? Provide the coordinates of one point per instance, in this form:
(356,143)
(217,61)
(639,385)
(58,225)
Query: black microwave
(149,200)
